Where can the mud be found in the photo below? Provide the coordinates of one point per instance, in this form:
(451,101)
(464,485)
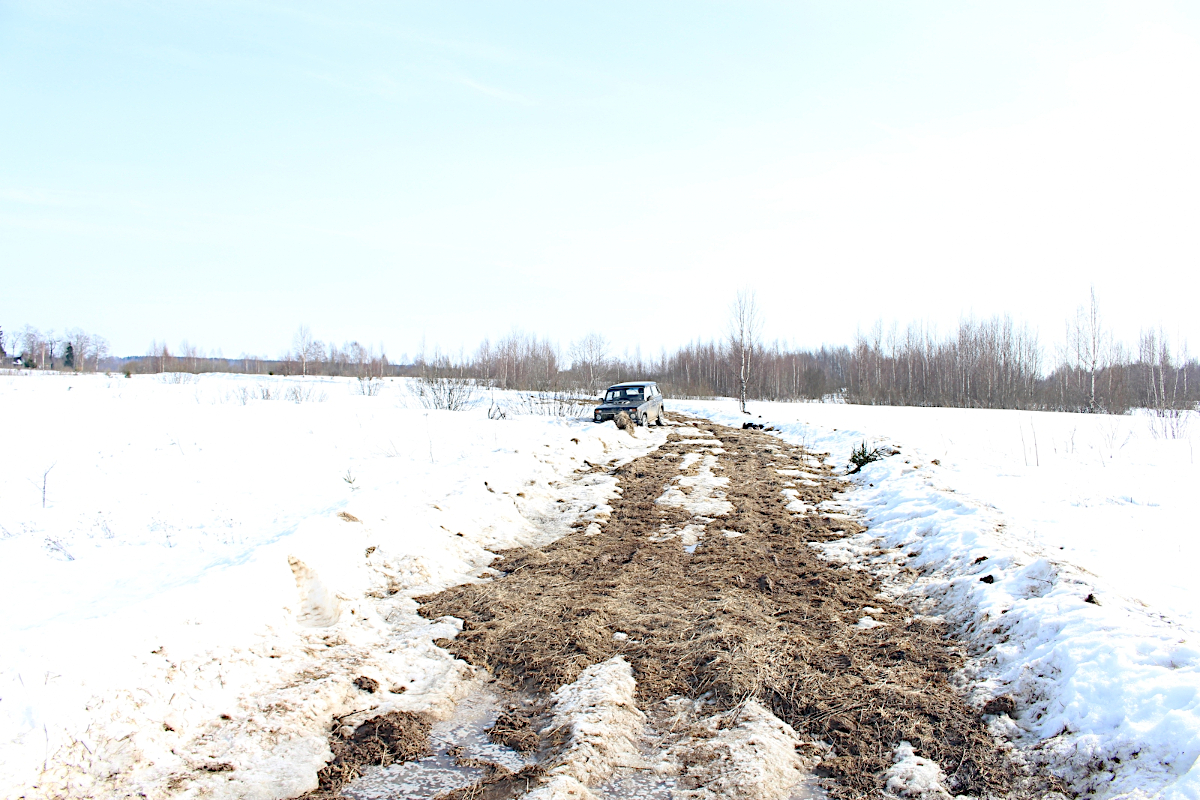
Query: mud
(381,741)
(729,607)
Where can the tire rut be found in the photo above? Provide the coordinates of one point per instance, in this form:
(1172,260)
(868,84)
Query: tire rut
(753,612)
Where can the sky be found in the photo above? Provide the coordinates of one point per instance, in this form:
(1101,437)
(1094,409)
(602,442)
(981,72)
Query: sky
(408,173)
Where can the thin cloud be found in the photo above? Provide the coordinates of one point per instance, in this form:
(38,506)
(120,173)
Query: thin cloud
(491,91)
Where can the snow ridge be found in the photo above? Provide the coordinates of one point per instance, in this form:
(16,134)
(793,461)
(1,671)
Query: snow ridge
(602,727)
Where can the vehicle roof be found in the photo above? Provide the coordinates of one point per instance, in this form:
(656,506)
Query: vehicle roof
(630,383)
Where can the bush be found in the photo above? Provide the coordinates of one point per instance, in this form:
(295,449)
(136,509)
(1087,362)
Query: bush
(860,457)
(445,393)
(554,404)
(370,386)
(303,394)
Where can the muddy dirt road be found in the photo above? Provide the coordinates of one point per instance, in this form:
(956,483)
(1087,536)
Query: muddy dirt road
(698,635)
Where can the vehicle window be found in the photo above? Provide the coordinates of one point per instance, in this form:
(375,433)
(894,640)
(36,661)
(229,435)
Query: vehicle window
(630,393)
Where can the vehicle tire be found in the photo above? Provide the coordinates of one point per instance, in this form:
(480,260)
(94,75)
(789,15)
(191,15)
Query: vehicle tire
(659,420)
(645,421)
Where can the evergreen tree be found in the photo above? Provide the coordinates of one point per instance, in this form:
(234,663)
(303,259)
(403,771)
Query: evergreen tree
(69,356)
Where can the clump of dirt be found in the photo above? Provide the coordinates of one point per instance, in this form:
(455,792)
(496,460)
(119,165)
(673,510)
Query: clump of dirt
(515,730)
(753,612)
(380,741)
(368,685)
(1000,705)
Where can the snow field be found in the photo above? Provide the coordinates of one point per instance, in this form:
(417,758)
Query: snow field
(1107,694)
(189,611)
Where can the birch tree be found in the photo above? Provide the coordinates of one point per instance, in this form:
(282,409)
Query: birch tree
(745,327)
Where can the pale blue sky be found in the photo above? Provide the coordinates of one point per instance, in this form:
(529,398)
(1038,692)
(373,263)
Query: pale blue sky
(220,172)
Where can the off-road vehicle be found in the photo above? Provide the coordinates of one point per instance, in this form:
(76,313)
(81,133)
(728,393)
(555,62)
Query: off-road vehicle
(641,400)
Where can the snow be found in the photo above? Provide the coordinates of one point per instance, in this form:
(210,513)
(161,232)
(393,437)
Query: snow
(913,776)
(602,726)
(1052,508)
(747,753)
(211,570)
(189,596)
(700,494)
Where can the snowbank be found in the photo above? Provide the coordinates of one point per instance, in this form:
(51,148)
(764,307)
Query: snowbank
(212,570)
(600,725)
(1007,536)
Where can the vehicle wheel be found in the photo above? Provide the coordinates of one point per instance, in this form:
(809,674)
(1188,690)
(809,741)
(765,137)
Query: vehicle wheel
(645,421)
(659,420)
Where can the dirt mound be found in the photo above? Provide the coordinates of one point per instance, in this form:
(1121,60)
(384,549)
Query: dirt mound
(380,741)
(753,613)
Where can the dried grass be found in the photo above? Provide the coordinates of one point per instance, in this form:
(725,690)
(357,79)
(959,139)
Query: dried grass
(758,616)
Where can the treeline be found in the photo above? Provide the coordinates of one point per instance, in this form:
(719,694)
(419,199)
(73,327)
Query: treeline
(75,349)
(994,363)
(78,351)
(311,357)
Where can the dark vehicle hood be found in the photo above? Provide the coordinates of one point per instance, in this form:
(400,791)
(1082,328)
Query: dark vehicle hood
(626,404)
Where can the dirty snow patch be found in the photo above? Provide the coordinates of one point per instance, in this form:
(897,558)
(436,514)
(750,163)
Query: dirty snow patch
(602,723)
(914,776)
(747,753)
(701,494)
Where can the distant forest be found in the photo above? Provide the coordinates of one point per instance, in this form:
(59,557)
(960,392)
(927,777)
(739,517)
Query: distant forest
(993,363)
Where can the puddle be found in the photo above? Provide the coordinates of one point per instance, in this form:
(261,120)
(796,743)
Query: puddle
(440,772)
(645,785)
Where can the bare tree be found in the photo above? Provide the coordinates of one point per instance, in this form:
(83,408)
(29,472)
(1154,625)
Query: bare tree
(191,355)
(81,346)
(589,355)
(302,343)
(1091,344)
(745,327)
(99,350)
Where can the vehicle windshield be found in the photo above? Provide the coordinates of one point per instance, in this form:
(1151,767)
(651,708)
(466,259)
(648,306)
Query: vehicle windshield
(625,394)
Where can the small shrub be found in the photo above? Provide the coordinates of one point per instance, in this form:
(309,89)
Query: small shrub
(861,456)
(445,393)
(304,394)
(370,386)
(554,404)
